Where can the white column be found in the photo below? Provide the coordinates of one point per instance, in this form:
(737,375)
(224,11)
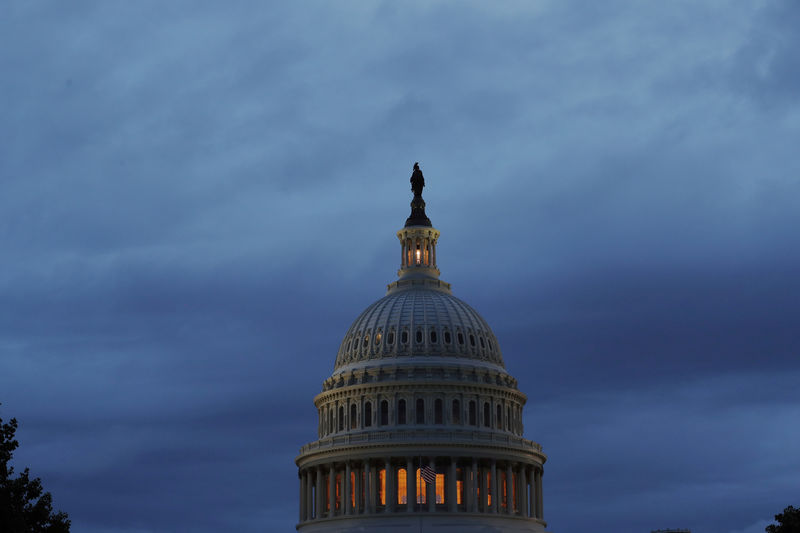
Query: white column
(431,490)
(495,483)
(411,485)
(320,493)
(509,495)
(367,488)
(473,503)
(302,505)
(331,490)
(348,504)
(452,487)
(523,491)
(539,502)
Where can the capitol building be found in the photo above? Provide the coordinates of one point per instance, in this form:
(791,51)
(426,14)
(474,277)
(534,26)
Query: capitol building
(420,425)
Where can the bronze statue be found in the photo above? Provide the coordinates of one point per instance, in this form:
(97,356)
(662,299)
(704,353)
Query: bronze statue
(417,181)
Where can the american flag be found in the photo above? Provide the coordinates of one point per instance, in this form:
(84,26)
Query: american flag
(428,474)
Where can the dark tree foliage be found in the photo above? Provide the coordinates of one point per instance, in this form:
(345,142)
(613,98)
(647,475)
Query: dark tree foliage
(24,507)
(788,522)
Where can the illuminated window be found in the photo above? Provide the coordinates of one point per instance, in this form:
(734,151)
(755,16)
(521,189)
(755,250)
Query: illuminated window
(421,488)
(367,415)
(353,417)
(437,411)
(459,486)
(402,486)
(487,415)
(366,340)
(401,412)
(440,488)
(472,417)
(384,413)
(489,482)
(456,412)
(338,486)
(420,411)
(378,338)
(382,486)
(352,490)
(504,491)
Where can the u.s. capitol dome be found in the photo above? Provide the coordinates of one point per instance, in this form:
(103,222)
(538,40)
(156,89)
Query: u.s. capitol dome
(420,426)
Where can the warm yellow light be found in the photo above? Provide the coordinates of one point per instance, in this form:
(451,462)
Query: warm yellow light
(402,488)
(418,257)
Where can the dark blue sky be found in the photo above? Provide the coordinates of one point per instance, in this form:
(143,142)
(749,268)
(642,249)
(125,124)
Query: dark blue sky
(199,197)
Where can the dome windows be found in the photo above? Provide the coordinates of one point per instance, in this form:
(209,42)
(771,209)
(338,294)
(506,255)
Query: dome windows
(433,336)
(479,338)
(447,338)
(384,419)
(420,419)
(366,340)
(390,338)
(401,412)
(404,337)
(379,335)
(460,338)
(367,414)
(471,340)
(419,336)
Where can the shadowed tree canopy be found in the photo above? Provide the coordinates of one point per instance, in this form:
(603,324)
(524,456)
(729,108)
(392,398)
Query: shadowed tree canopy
(788,522)
(24,507)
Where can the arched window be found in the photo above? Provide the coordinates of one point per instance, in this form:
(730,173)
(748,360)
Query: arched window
(471,340)
(401,412)
(404,337)
(353,416)
(330,420)
(366,340)
(447,338)
(499,417)
(479,338)
(456,412)
(390,338)
(341,418)
(508,417)
(472,413)
(367,414)
(384,413)
(419,336)
(433,336)
(420,411)
(379,335)
(437,411)
(460,338)
(487,415)
(402,486)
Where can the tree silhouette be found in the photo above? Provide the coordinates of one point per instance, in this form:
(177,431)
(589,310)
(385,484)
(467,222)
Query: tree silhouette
(788,522)
(24,507)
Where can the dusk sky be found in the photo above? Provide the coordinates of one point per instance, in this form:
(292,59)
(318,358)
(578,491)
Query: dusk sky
(198,198)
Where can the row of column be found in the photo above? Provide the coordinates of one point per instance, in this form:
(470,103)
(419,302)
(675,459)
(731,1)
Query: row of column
(462,485)
(408,253)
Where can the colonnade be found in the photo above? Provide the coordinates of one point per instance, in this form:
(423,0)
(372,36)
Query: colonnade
(395,485)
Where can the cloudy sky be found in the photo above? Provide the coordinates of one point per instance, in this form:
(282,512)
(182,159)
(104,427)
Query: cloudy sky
(199,197)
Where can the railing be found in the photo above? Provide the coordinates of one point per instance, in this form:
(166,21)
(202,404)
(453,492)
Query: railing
(429,436)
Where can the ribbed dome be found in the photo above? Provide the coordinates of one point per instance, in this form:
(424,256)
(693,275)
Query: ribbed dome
(418,322)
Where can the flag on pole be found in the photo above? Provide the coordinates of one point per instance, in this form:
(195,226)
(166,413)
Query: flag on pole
(428,474)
